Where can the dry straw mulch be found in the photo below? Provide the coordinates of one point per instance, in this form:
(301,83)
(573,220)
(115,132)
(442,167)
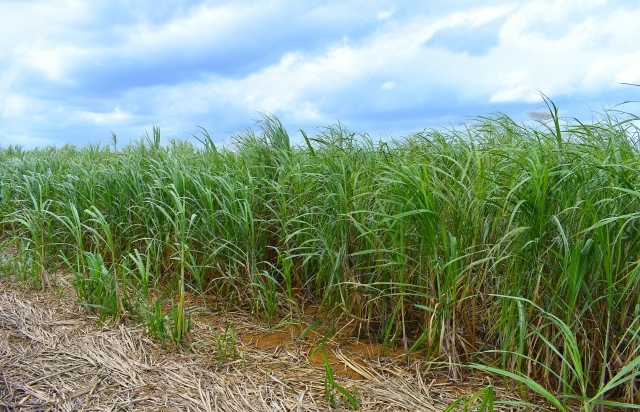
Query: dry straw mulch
(55,357)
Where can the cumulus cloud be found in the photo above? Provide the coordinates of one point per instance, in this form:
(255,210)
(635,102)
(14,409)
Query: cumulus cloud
(114,118)
(385,14)
(389,85)
(80,69)
(14,105)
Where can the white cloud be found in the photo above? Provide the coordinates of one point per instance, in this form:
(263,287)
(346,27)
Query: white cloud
(585,56)
(115,117)
(388,85)
(515,93)
(385,14)
(202,25)
(630,74)
(14,105)
(41,35)
(344,68)
(75,65)
(27,141)
(289,85)
(53,62)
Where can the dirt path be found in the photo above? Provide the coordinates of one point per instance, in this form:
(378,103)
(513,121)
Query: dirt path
(55,357)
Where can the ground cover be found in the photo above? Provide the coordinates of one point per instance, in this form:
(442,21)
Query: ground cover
(57,356)
(496,247)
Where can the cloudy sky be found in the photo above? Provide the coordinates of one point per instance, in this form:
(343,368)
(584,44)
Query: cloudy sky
(74,71)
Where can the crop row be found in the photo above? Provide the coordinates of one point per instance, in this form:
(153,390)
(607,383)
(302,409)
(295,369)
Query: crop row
(515,248)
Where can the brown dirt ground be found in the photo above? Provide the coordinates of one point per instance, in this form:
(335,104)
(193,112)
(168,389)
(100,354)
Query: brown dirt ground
(55,356)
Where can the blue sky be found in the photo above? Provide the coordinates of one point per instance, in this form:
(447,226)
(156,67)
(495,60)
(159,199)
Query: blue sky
(74,71)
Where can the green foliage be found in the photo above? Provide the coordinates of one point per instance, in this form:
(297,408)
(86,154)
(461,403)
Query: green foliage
(97,288)
(481,401)
(519,242)
(573,375)
(180,321)
(333,391)
(156,322)
(226,344)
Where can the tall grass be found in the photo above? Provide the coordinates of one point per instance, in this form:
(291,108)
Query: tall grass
(510,246)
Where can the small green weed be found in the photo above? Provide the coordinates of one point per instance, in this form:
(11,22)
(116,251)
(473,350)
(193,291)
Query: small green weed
(333,391)
(156,322)
(485,398)
(97,289)
(226,344)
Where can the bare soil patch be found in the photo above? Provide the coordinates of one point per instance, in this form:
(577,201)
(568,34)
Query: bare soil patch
(55,356)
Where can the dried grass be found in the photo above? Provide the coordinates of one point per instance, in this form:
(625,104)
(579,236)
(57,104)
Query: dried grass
(55,357)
